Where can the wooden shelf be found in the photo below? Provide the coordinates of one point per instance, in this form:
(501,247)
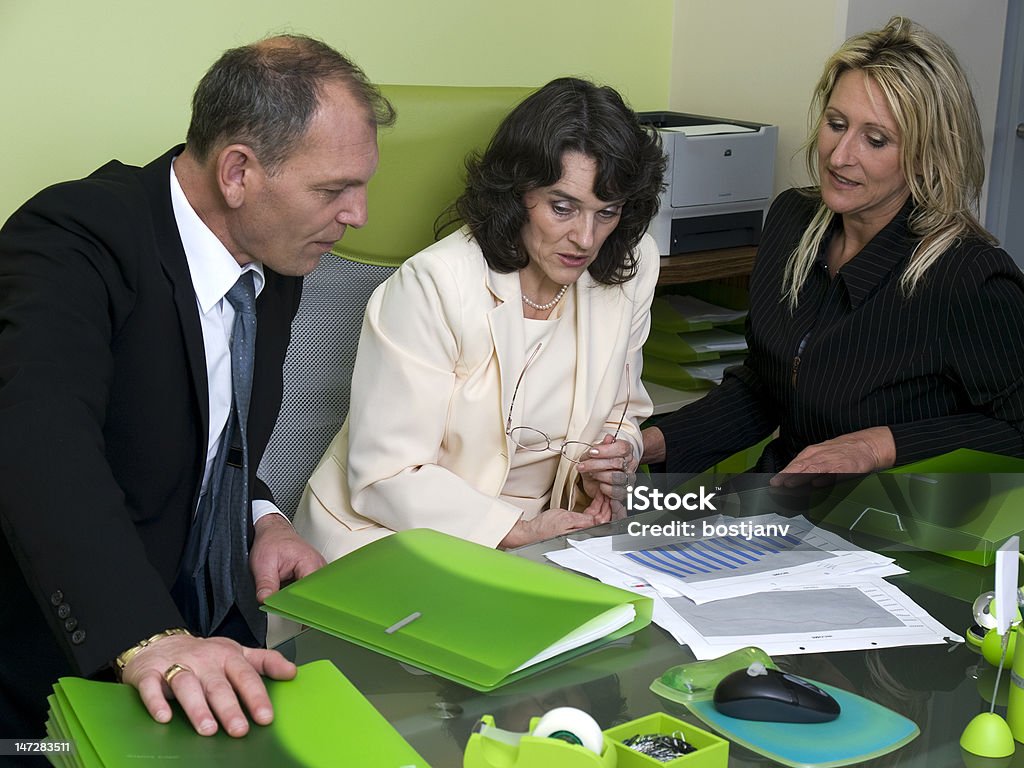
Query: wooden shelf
(707,265)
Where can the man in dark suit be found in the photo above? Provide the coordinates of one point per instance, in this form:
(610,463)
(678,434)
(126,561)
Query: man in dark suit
(116,385)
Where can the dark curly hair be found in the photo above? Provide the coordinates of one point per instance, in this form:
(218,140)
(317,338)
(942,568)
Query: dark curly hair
(566,115)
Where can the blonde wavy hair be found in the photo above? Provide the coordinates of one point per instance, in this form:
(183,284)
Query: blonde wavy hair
(940,139)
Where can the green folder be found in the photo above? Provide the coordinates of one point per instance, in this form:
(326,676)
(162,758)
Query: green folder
(463,611)
(665,317)
(320,719)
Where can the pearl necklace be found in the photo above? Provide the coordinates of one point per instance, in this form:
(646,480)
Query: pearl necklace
(550,304)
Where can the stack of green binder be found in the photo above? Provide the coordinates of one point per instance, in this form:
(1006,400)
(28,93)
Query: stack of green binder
(463,611)
(691,342)
(320,719)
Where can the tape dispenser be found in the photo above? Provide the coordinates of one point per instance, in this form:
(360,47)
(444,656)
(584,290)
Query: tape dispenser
(565,737)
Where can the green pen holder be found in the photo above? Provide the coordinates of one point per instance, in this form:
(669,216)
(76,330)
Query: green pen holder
(712,751)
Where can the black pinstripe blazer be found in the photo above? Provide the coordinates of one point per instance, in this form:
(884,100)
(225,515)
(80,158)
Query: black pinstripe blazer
(943,368)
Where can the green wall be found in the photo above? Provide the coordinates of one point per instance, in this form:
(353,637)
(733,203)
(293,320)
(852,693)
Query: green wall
(84,81)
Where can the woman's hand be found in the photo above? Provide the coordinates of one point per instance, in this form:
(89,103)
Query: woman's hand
(547,525)
(856,453)
(610,468)
(604,509)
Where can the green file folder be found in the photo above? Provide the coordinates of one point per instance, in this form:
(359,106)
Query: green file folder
(320,719)
(458,609)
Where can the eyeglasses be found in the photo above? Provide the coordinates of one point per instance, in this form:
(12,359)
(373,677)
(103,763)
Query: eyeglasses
(532,439)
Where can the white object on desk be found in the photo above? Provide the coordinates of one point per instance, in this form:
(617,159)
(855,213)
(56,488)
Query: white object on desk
(1007,562)
(573,726)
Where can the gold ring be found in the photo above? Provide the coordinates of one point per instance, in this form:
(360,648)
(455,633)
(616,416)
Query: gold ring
(173,671)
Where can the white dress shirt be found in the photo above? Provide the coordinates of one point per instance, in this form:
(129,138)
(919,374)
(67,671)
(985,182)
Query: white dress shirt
(214,270)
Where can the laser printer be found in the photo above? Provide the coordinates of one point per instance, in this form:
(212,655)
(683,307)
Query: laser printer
(718,181)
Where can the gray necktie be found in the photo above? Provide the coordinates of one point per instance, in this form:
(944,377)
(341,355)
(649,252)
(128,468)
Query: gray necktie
(215,573)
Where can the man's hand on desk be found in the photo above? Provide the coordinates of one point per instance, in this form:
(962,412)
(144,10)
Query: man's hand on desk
(279,555)
(215,675)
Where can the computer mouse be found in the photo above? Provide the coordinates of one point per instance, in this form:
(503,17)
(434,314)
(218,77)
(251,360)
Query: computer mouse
(762,693)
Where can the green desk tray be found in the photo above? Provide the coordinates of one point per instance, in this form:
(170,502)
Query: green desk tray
(963,504)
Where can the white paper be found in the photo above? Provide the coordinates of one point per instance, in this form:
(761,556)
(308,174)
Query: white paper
(706,569)
(598,627)
(812,618)
(819,594)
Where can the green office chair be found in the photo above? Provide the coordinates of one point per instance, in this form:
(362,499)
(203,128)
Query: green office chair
(421,172)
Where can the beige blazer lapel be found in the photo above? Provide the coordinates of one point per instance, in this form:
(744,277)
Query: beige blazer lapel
(506,325)
(600,339)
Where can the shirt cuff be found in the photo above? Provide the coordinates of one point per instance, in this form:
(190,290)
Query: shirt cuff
(262,507)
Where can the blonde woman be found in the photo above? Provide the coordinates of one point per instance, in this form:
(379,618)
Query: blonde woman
(885,324)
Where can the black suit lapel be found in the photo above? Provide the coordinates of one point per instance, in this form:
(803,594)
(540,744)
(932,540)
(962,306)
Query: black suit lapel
(156,180)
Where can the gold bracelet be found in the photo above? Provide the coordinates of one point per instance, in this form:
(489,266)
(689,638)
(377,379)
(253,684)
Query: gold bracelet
(122,660)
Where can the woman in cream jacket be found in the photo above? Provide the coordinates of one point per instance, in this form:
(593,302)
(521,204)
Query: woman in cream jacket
(489,360)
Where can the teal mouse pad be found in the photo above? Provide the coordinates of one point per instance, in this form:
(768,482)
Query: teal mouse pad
(862,731)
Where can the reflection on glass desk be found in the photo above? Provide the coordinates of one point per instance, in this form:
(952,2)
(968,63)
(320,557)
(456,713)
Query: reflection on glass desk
(939,687)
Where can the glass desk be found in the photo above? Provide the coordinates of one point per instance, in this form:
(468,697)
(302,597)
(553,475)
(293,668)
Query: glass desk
(940,687)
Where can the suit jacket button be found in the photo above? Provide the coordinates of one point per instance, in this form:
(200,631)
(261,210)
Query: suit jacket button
(63,610)
(70,624)
(56,598)
(78,636)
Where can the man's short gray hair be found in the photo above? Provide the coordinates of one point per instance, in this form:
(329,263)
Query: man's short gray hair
(264,95)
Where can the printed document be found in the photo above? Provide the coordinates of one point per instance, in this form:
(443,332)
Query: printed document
(804,591)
